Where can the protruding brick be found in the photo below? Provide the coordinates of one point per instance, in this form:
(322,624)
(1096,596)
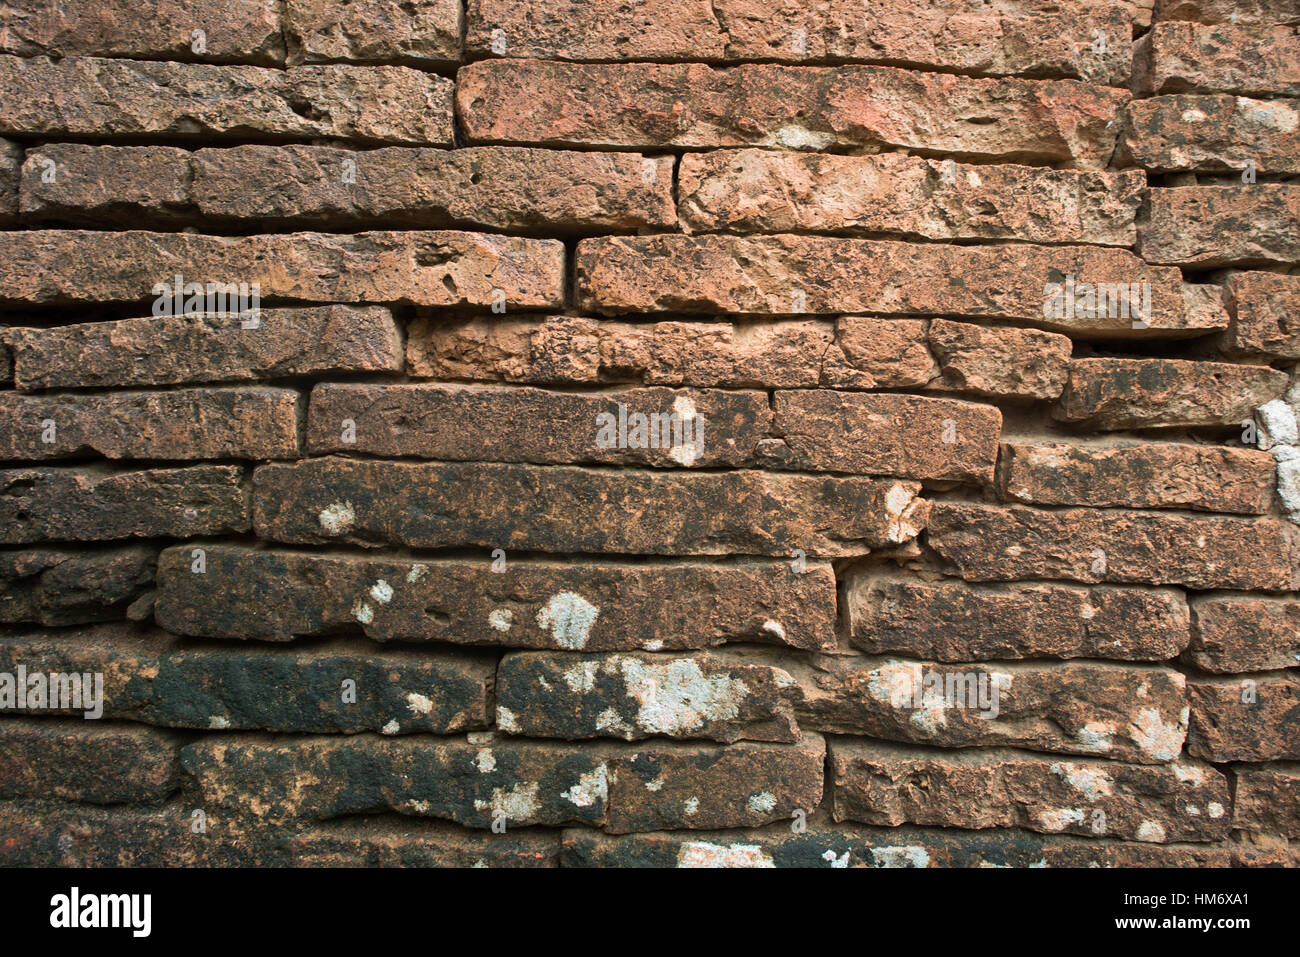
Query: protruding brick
(787,275)
(88,96)
(956,622)
(990,543)
(875,783)
(1108,394)
(253,422)
(777,192)
(651,105)
(636,696)
(1205,226)
(1168,134)
(1263,306)
(97,504)
(1267,799)
(570,605)
(1246,718)
(1179,56)
(86,761)
(436,268)
(1206,478)
(999,362)
(424,32)
(1244,633)
(580,510)
(208,347)
(61,587)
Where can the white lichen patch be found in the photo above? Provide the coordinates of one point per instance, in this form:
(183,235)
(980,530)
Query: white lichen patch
(655,784)
(795,137)
(391,728)
(1189,774)
(582,677)
(1093,783)
(518,804)
(612,722)
(702,854)
(216,722)
(689,451)
(362,612)
(506,720)
(501,619)
(1214,809)
(690,806)
(419,704)
(382,592)
(485,761)
(1272,115)
(568,617)
(1055,820)
(837,861)
(416,573)
(907,855)
(894,682)
(1155,737)
(592,787)
(1153,832)
(677,697)
(900,508)
(338,518)
(761,803)
(653,645)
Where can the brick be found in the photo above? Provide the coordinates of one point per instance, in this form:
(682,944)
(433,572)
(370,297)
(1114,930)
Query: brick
(88,96)
(1246,718)
(999,362)
(1244,633)
(1229,11)
(907,436)
(1261,305)
(1034,39)
(1206,478)
(275,595)
(77,183)
(706,429)
(870,352)
(1125,713)
(1222,58)
(893,193)
(956,622)
(154,678)
(86,504)
(745,784)
(245,31)
(636,696)
(1205,226)
(86,761)
(990,543)
(423,32)
(785,275)
(876,784)
(208,347)
(11,164)
(382,843)
(650,105)
(253,422)
(71,587)
(1167,134)
(824,844)
(578,510)
(1267,799)
(422,268)
(1110,394)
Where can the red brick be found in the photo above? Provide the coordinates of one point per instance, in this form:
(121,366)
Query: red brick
(1205,226)
(1262,306)
(1247,718)
(1244,633)
(80,760)
(1222,133)
(1175,57)
(423,32)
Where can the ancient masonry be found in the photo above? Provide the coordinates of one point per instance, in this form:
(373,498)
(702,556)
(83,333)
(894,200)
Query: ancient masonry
(650,432)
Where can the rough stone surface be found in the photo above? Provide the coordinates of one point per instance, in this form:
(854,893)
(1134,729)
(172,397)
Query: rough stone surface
(1229,11)
(997,362)
(1206,226)
(1246,718)
(53,586)
(1244,633)
(1221,58)
(1220,133)
(424,32)
(11,164)
(1263,306)
(86,761)
(1267,799)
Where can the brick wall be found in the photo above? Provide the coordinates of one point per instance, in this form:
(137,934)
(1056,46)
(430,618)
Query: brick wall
(662,432)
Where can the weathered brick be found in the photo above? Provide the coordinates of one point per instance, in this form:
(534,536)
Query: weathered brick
(153,678)
(11,164)
(1108,394)
(956,622)
(1167,134)
(251,422)
(786,275)
(86,761)
(435,268)
(882,434)
(572,605)
(425,32)
(649,105)
(236,31)
(635,696)
(1244,633)
(707,429)
(1034,39)
(88,96)
(1246,718)
(1262,306)
(1229,11)
(60,587)
(999,362)
(870,352)
(776,192)
(85,504)
(1126,713)
(77,183)
(1207,478)
(208,347)
(1267,799)
(876,784)
(1222,58)
(381,843)
(579,510)
(991,543)
(1205,226)
(745,784)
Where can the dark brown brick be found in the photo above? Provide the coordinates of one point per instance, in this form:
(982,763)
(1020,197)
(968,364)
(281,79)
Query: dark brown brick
(86,761)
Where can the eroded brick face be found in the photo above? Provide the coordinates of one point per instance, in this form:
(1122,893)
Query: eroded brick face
(642,433)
